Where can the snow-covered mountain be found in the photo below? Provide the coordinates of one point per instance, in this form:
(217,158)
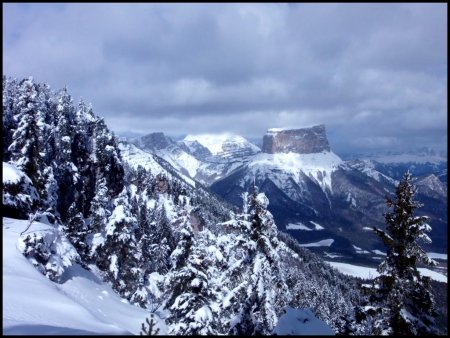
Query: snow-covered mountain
(306,182)
(226,146)
(205,158)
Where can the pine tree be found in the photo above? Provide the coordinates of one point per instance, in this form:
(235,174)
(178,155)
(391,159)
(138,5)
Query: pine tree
(404,292)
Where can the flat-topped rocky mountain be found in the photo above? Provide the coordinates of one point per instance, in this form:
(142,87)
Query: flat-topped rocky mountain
(300,141)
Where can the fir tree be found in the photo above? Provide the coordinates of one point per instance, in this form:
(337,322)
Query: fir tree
(150,331)
(76,231)
(25,146)
(404,292)
(10,88)
(260,287)
(192,299)
(99,207)
(67,174)
(118,255)
(164,227)
(107,158)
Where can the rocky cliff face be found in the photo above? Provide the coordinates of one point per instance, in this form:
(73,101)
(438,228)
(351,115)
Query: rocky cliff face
(153,141)
(300,141)
(196,149)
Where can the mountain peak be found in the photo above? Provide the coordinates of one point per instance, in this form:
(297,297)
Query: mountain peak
(224,145)
(154,141)
(301,141)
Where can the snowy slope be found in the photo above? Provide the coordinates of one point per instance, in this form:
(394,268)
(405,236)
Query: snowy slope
(366,272)
(368,168)
(301,226)
(181,160)
(318,166)
(135,157)
(324,242)
(223,144)
(81,304)
(301,322)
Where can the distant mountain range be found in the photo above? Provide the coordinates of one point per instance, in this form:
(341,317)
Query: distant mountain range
(314,194)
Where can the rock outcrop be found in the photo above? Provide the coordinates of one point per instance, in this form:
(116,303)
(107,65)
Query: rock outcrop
(300,141)
(153,141)
(196,149)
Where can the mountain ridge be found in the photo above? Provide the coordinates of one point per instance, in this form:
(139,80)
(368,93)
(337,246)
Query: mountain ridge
(352,191)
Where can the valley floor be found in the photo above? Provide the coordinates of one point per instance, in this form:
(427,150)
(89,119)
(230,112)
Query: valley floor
(369,273)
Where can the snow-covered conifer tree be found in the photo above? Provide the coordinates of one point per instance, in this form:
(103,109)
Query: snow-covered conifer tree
(192,297)
(107,158)
(404,294)
(117,256)
(25,144)
(257,292)
(10,88)
(76,231)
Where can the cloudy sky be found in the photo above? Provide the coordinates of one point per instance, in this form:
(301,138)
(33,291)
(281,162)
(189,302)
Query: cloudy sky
(374,74)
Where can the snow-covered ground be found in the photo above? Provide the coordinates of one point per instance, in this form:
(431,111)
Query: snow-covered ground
(324,242)
(301,322)
(301,226)
(369,273)
(318,166)
(435,255)
(80,305)
(297,226)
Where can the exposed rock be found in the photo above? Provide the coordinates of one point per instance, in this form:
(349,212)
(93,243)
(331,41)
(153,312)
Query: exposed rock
(300,141)
(196,221)
(161,184)
(196,149)
(237,147)
(153,141)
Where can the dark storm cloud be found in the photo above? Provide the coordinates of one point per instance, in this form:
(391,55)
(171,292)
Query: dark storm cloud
(375,74)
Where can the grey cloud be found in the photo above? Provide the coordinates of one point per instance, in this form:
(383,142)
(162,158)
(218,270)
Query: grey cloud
(375,74)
